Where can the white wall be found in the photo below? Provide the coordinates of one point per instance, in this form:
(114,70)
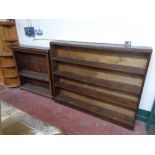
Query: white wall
(107,30)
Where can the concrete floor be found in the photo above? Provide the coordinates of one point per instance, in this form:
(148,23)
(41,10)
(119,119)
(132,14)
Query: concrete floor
(17,122)
(69,120)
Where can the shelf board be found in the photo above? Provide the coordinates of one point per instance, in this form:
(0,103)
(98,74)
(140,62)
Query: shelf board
(98,95)
(11,40)
(8,66)
(7,23)
(100,82)
(35,89)
(103,112)
(10,76)
(12,85)
(99,65)
(34,75)
(6,54)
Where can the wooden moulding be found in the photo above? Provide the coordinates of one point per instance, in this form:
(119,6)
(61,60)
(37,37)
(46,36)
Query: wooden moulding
(34,69)
(102,79)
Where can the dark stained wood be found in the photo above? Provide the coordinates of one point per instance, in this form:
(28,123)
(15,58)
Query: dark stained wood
(100,82)
(48,61)
(119,48)
(35,89)
(34,75)
(131,104)
(100,76)
(125,69)
(34,69)
(116,117)
(29,49)
(7,23)
(54,66)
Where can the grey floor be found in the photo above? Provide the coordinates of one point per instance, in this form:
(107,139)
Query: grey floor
(16,122)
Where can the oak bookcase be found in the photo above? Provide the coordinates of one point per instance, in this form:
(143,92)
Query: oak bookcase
(102,79)
(34,69)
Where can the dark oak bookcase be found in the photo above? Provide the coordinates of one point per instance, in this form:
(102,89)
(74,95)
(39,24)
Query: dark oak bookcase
(102,79)
(34,69)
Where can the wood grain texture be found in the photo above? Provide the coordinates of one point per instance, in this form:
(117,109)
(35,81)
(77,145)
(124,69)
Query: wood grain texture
(34,69)
(98,94)
(120,68)
(8,36)
(99,82)
(102,74)
(101,109)
(103,79)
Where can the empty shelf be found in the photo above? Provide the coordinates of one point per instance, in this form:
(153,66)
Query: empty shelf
(35,89)
(119,118)
(100,82)
(34,75)
(98,95)
(99,65)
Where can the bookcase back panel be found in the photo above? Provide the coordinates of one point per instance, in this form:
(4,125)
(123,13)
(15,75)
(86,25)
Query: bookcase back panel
(31,62)
(125,59)
(35,82)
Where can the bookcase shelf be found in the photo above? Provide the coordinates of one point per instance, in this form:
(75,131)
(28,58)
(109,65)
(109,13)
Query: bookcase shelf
(101,79)
(34,75)
(36,89)
(98,65)
(110,115)
(34,69)
(99,82)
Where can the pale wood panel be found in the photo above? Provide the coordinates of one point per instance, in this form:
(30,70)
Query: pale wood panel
(11,81)
(11,71)
(7,61)
(6,44)
(85,54)
(134,80)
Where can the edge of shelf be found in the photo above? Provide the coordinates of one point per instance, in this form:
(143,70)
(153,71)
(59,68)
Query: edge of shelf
(100,82)
(8,66)
(82,106)
(126,103)
(30,74)
(7,23)
(99,65)
(31,88)
(6,54)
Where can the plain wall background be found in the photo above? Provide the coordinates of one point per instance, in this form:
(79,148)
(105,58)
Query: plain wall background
(140,32)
